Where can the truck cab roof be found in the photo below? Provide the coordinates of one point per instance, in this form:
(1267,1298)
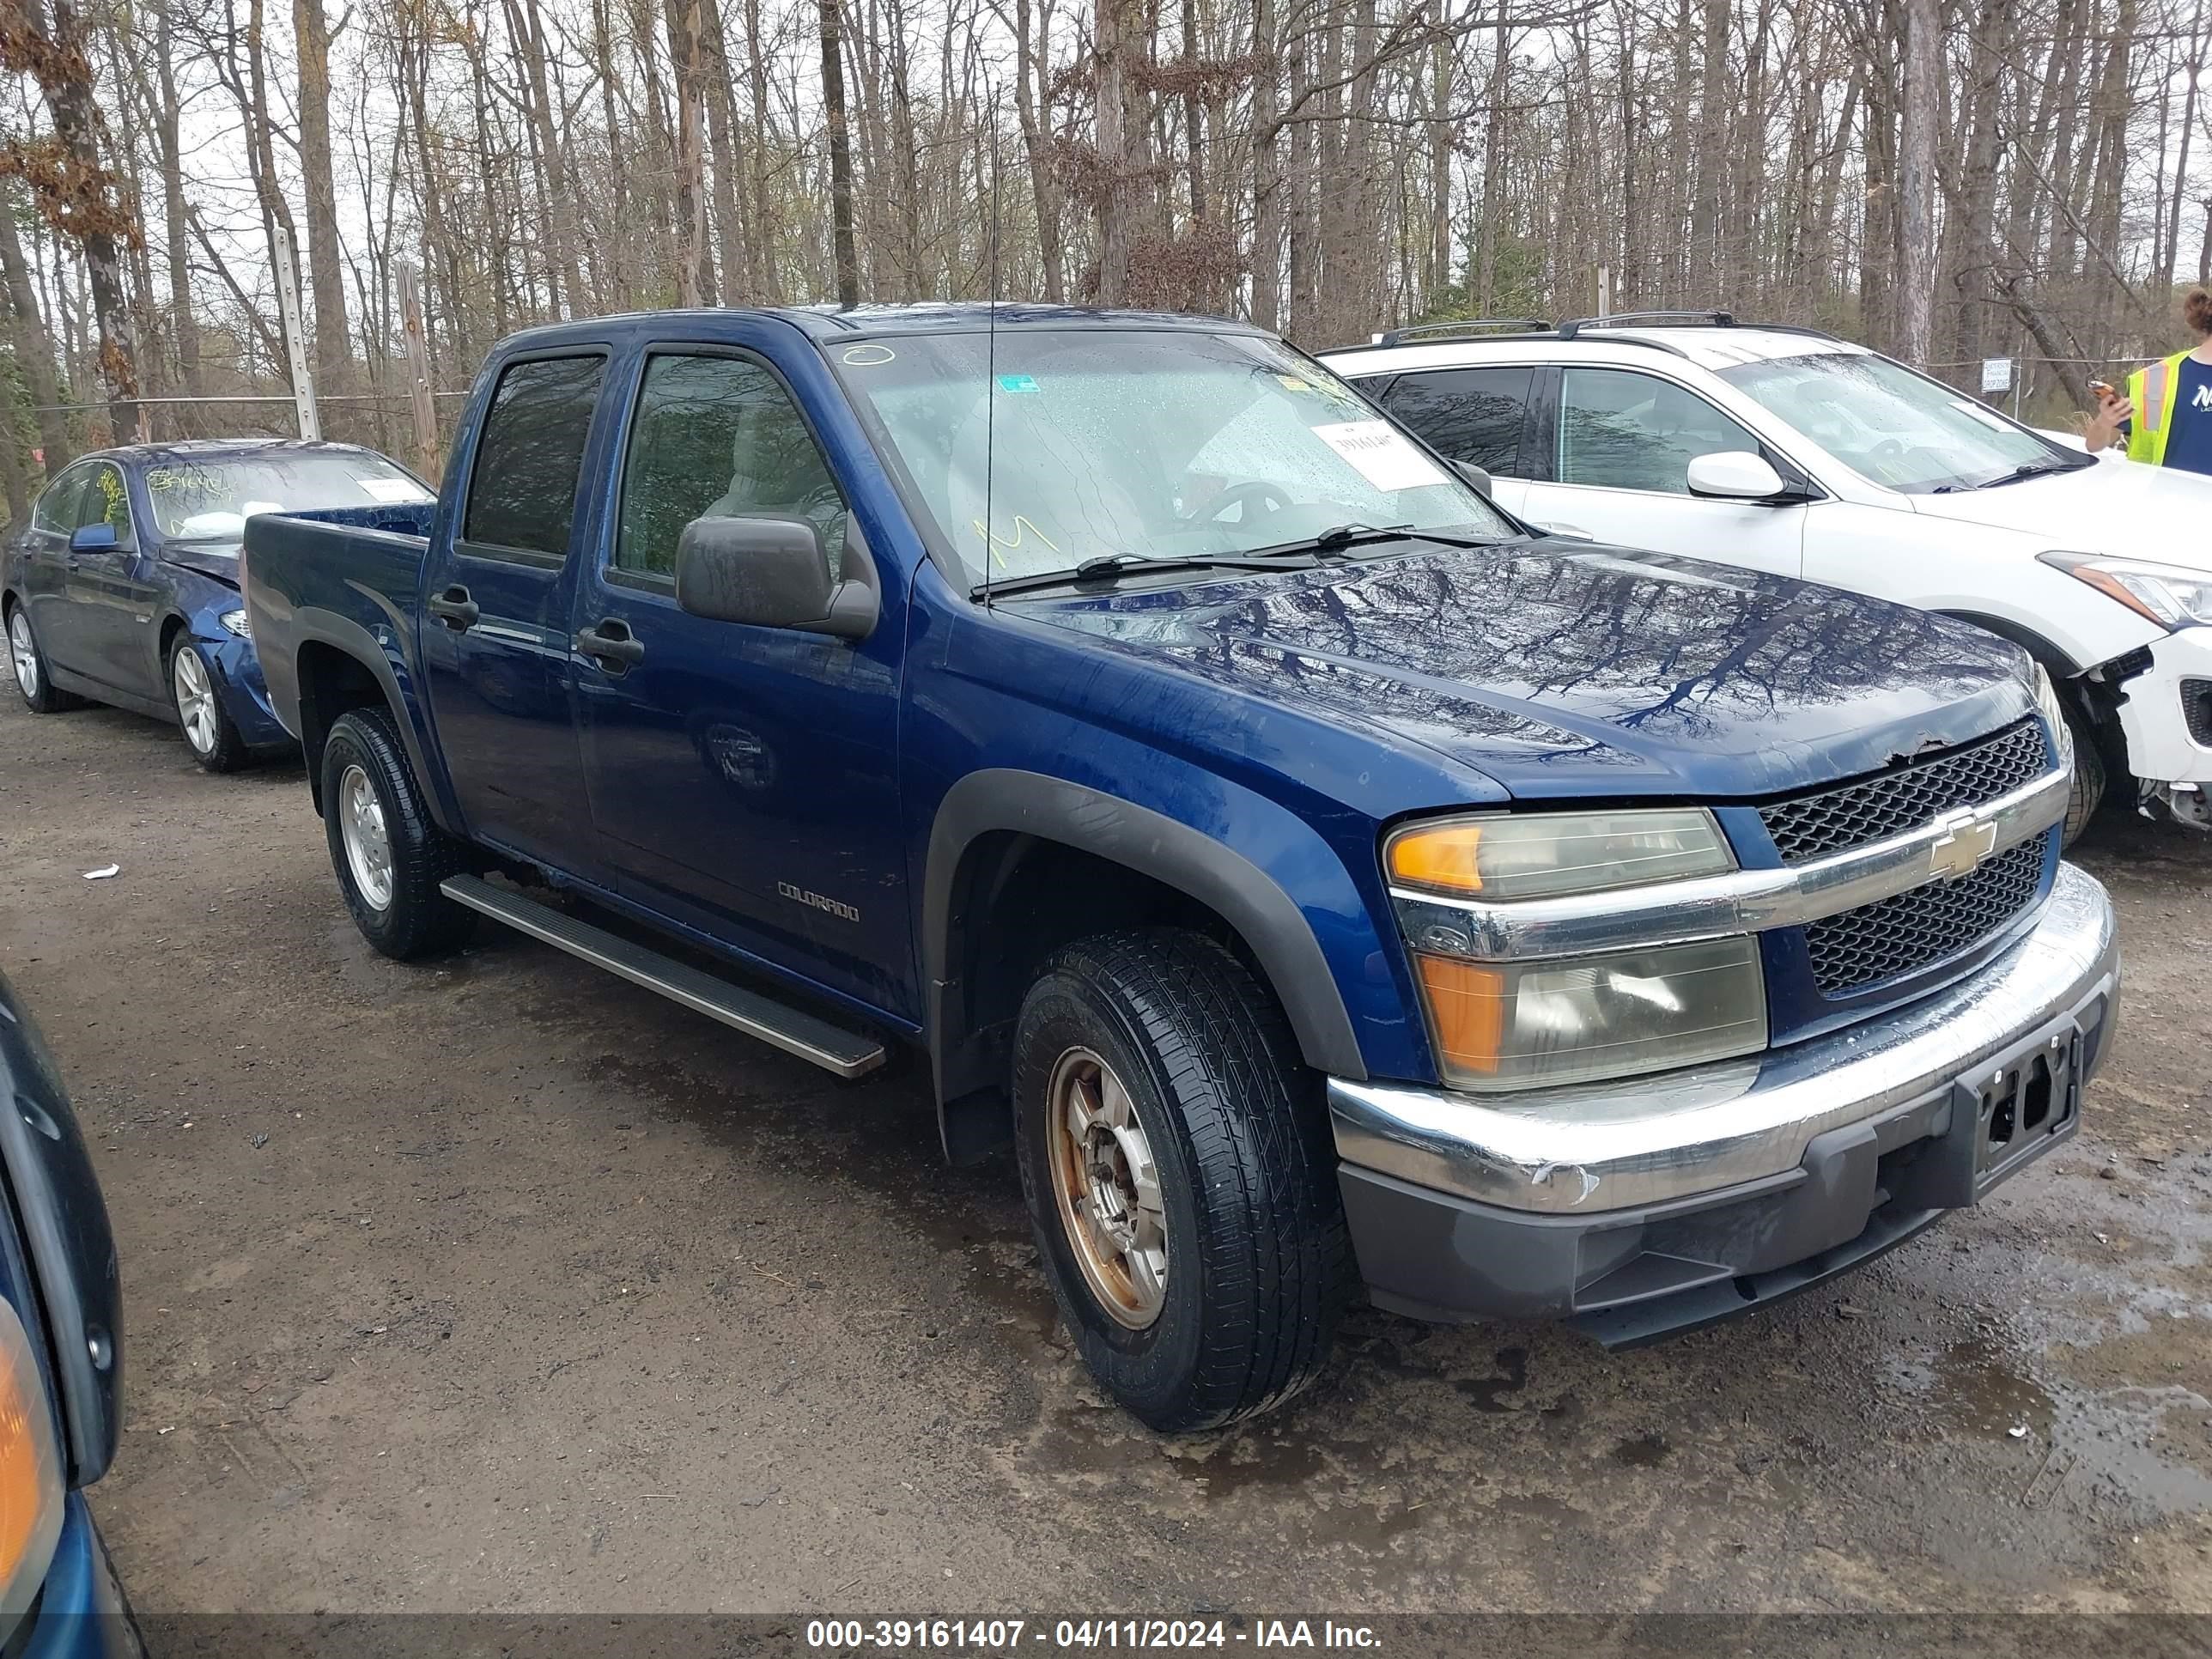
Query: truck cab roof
(828,324)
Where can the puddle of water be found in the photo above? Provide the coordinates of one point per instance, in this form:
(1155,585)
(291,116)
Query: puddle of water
(2101,1442)
(1644,1451)
(1977,1388)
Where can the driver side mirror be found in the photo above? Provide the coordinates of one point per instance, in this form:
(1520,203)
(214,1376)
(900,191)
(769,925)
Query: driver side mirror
(1735,475)
(98,538)
(1471,474)
(771,572)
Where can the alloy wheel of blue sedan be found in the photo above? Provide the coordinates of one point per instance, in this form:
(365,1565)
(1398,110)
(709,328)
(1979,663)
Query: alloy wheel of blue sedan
(26,653)
(196,709)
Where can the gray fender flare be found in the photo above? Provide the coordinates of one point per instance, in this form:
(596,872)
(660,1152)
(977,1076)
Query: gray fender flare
(350,639)
(1189,860)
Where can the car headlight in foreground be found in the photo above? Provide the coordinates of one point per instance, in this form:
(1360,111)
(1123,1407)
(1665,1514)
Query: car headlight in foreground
(1576,1019)
(235,623)
(30,1474)
(2172,598)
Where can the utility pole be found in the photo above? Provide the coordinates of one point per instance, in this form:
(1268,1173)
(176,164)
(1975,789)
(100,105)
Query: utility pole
(295,346)
(418,371)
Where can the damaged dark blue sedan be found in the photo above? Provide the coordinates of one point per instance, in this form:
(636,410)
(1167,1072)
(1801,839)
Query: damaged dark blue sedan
(123,586)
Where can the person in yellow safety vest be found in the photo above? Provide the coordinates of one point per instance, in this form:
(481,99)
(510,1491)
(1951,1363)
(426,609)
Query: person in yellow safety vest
(2166,417)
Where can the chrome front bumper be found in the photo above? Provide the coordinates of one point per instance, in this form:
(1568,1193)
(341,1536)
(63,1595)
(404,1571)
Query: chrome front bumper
(1578,1151)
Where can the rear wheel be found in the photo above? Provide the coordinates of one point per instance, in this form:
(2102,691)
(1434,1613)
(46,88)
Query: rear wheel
(1175,1156)
(37,691)
(209,731)
(389,853)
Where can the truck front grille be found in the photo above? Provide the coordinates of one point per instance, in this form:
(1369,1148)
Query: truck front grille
(1907,797)
(1914,931)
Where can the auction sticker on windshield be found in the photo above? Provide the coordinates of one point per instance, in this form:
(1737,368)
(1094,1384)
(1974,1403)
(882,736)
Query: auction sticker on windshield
(1379,451)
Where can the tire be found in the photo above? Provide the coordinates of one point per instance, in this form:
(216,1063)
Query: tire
(2089,776)
(196,695)
(35,685)
(369,791)
(1254,1266)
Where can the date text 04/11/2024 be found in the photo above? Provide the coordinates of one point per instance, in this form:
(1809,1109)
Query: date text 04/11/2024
(1009,1635)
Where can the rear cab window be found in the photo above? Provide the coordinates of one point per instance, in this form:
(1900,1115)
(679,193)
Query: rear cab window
(522,484)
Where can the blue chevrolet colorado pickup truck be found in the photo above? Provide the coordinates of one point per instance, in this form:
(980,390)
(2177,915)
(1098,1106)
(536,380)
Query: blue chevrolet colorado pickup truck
(1314,875)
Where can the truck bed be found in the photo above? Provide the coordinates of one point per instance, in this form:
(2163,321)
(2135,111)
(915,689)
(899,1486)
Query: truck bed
(327,573)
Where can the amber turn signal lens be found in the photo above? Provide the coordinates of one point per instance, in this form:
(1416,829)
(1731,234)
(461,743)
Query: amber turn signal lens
(1466,1012)
(30,1472)
(1529,855)
(1446,857)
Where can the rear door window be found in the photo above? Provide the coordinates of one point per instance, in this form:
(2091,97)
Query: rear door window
(1467,413)
(522,488)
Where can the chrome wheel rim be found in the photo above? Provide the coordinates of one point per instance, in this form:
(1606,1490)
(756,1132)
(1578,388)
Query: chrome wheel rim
(368,847)
(26,653)
(195,700)
(1107,1187)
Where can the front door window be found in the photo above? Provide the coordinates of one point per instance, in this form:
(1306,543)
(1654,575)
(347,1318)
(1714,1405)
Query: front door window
(1620,429)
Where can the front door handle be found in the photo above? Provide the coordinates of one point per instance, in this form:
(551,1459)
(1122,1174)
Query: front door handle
(455,608)
(611,645)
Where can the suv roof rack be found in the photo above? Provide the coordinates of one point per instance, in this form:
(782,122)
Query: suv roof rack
(1587,328)
(1463,325)
(1574,327)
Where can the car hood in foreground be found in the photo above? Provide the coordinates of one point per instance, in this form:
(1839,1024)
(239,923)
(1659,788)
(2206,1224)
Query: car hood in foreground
(2119,508)
(1560,668)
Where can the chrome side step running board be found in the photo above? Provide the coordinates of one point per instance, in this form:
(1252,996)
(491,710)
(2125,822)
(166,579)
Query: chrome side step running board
(845,1052)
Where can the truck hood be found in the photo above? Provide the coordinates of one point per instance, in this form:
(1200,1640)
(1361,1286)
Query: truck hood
(1560,669)
(216,559)
(2115,508)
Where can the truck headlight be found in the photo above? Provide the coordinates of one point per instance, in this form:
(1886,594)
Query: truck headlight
(1526,1024)
(1544,854)
(1531,1024)
(30,1474)
(2172,598)
(236,621)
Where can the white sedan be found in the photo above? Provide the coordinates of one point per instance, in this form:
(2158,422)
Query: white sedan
(1788,450)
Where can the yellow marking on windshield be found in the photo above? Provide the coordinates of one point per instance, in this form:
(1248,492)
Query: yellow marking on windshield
(1023,528)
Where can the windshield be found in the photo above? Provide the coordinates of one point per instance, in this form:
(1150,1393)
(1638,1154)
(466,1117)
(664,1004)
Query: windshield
(1113,442)
(211,501)
(1893,426)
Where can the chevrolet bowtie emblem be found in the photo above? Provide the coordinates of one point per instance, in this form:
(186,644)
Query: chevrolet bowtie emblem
(1965,841)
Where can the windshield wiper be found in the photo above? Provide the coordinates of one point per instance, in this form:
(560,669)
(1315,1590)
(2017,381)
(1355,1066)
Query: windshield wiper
(1340,537)
(2033,469)
(1108,566)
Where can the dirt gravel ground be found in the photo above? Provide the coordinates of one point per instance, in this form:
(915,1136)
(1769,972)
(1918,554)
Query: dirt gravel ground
(503,1286)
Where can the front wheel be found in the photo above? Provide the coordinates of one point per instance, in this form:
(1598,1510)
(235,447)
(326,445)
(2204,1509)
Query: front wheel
(1175,1155)
(209,731)
(389,853)
(2088,791)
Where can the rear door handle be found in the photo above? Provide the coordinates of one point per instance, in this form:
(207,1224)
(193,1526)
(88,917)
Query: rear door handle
(455,608)
(611,645)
